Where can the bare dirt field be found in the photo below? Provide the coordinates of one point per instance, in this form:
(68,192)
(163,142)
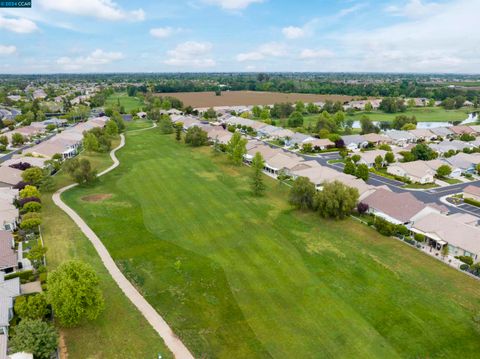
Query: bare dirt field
(239,98)
(96,197)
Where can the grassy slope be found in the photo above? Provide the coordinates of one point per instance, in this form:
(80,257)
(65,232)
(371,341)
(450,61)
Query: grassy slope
(121,331)
(238,276)
(126,101)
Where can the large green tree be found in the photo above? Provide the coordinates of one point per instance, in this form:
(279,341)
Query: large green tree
(81,170)
(74,293)
(444,171)
(362,172)
(302,193)
(36,337)
(196,137)
(336,200)
(236,148)
(258,187)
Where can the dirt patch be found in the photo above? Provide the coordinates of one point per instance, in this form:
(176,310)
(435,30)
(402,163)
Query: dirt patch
(96,197)
(63,352)
(245,98)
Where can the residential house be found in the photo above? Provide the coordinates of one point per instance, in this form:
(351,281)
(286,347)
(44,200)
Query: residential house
(141,114)
(217,133)
(472,192)
(39,94)
(454,145)
(9,214)
(416,171)
(32,161)
(439,230)
(377,139)
(422,134)
(368,157)
(475,128)
(465,161)
(268,131)
(282,133)
(9,290)
(299,138)
(284,162)
(318,175)
(9,176)
(443,132)
(397,208)
(401,138)
(320,144)
(267,152)
(461,129)
(436,163)
(8,255)
(354,142)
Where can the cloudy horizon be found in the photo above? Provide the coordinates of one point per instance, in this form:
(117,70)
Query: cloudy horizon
(106,36)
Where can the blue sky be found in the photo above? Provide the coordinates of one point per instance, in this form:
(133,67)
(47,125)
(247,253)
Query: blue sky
(241,35)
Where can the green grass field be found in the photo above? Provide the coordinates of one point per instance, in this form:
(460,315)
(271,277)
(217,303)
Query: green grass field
(120,331)
(244,277)
(423,114)
(129,103)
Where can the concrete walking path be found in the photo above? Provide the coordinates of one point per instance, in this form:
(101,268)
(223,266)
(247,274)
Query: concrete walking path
(175,345)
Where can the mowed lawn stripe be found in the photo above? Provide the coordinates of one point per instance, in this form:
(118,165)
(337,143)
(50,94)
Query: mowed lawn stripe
(237,276)
(266,259)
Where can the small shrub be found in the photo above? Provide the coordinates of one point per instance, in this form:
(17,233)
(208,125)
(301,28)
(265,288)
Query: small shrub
(42,277)
(464,267)
(419,237)
(31,207)
(23,201)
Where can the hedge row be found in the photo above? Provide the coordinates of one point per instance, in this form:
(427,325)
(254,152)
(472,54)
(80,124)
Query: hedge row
(472,202)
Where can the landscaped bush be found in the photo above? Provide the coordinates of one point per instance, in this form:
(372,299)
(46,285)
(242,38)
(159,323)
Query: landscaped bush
(362,207)
(31,207)
(22,166)
(401,230)
(465,259)
(464,267)
(419,237)
(409,241)
(23,201)
(21,185)
(384,227)
(22,275)
(472,202)
(42,277)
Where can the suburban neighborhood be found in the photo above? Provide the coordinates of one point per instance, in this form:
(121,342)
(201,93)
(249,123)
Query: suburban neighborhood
(239,179)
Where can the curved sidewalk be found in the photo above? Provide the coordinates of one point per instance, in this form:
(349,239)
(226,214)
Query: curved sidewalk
(178,349)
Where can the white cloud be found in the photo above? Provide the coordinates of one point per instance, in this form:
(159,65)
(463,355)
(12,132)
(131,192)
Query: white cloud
(293,32)
(7,50)
(232,4)
(442,41)
(271,49)
(413,8)
(90,62)
(191,54)
(163,32)
(102,9)
(18,25)
(309,54)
